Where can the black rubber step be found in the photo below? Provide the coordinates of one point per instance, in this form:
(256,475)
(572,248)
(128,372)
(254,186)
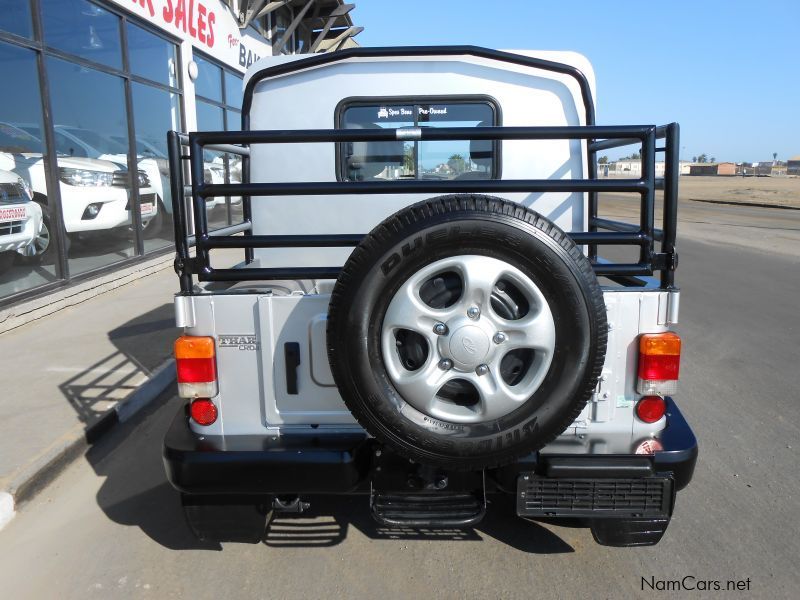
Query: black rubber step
(432,509)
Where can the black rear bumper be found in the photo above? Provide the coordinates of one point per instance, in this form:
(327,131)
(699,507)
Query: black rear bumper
(345,463)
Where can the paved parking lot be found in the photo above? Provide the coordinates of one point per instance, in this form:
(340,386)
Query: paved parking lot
(110,524)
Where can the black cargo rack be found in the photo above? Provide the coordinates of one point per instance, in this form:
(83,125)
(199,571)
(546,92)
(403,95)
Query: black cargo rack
(600,231)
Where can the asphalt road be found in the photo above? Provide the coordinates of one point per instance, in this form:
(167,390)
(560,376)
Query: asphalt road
(111,526)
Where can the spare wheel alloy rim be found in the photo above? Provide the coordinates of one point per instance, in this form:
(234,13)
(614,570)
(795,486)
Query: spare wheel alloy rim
(468,339)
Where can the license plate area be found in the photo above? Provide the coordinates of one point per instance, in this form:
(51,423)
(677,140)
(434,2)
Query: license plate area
(641,497)
(147,204)
(13,213)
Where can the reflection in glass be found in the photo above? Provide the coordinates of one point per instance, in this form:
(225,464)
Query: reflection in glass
(156,111)
(28,252)
(366,161)
(282,19)
(234,95)
(84,29)
(451,159)
(15,17)
(455,159)
(95,178)
(233,169)
(151,56)
(209,79)
(209,118)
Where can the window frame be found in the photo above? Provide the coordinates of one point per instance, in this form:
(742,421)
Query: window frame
(362,101)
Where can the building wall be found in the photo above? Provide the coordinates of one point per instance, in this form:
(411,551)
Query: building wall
(703,169)
(726,168)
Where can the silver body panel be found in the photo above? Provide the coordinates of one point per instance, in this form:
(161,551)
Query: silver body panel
(251,329)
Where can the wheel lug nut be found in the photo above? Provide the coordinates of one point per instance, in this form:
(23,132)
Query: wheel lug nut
(499,337)
(445,364)
(440,329)
(482,369)
(473,312)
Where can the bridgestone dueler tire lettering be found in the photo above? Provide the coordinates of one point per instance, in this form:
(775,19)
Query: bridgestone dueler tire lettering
(460,225)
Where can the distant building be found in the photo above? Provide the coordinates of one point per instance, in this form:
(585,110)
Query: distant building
(726,168)
(746,169)
(723,168)
(793,165)
(778,168)
(628,168)
(763,168)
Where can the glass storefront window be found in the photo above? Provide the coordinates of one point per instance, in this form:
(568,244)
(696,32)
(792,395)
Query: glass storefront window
(210,118)
(282,18)
(209,79)
(92,158)
(15,17)
(82,28)
(223,114)
(233,119)
(152,57)
(95,188)
(234,94)
(27,256)
(156,111)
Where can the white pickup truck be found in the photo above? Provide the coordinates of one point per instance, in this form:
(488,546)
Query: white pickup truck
(95,195)
(427,314)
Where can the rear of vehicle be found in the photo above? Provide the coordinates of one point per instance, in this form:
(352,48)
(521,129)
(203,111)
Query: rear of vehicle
(422,315)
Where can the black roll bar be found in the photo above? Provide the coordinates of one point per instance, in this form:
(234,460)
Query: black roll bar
(601,231)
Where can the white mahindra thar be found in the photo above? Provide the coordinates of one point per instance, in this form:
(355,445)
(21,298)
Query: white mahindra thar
(426,313)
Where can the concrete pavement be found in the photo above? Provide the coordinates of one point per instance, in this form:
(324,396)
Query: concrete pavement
(69,376)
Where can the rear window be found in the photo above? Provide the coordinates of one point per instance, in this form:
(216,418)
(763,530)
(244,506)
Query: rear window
(408,159)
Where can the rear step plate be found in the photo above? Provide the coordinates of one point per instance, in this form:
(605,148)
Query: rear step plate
(428,509)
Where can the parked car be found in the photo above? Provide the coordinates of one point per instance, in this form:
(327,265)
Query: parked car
(424,316)
(77,142)
(94,193)
(20,221)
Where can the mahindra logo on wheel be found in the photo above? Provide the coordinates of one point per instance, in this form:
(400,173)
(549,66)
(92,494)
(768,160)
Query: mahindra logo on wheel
(468,344)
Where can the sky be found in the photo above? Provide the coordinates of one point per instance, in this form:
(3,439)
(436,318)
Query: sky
(727,70)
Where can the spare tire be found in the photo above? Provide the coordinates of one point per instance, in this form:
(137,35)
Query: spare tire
(465,331)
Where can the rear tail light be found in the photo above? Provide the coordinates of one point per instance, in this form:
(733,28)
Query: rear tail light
(203,411)
(196,365)
(659,362)
(651,408)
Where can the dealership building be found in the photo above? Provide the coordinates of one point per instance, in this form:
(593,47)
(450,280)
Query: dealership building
(91,88)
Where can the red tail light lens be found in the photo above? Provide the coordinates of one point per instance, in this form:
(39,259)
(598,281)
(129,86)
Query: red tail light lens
(196,370)
(195,362)
(203,411)
(651,408)
(659,363)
